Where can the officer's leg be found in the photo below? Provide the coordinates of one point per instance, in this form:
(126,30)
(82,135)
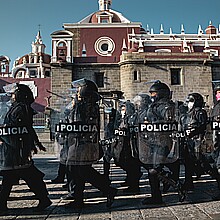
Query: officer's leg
(174,175)
(156,197)
(106,166)
(34,179)
(61,174)
(78,177)
(212,171)
(7,183)
(133,175)
(70,183)
(189,170)
(100,182)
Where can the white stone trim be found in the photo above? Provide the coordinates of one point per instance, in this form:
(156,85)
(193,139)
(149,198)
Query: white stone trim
(104,40)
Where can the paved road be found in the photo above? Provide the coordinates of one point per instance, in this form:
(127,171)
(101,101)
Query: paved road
(198,204)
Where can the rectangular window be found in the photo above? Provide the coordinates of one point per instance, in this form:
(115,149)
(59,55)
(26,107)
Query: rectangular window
(104,20)
(175,75)
(33,74)
(136,76)
(99,78)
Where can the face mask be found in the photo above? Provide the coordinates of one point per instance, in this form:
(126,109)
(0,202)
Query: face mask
(190,105)
(153,98)
(217,96)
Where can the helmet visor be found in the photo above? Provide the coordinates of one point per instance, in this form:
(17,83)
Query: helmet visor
(79,83)
(10,88)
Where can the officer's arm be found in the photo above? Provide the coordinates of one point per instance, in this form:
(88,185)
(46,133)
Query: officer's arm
(169,113)
(200,126)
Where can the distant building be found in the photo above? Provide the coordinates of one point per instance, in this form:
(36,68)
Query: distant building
(36,64)
(121,56)
(32,69)
(4,66)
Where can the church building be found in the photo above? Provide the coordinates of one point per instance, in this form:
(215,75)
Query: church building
(122,57)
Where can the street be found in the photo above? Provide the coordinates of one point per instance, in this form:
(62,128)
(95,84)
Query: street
(198,204)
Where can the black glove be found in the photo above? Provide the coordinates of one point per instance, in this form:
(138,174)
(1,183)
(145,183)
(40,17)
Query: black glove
(41,147)
(35,150)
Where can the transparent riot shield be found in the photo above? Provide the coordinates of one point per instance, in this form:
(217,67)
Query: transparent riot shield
(61,115)
(109,141)
(123,148)
(83,125)
(158,141)
(141,103)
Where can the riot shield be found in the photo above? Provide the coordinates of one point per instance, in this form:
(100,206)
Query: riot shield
(82,127)
(141,103)
(61,115)
(158,141)
(110,142)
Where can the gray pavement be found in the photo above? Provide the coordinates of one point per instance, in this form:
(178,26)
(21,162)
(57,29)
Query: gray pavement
(198,204)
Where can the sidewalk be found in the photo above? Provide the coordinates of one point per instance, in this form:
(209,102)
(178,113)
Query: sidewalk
(198,204)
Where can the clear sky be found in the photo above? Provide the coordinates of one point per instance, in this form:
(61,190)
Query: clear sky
(20,19)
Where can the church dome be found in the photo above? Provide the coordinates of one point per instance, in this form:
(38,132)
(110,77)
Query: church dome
(115,17)
(211,29)
(46,58)
(110,15)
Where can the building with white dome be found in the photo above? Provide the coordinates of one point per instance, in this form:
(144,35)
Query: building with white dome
(121,56)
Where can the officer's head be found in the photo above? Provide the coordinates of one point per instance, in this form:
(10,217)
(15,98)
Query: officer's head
(87,89)
(194,100)
(217,92)
(19,93)
(23,94)
(159,90)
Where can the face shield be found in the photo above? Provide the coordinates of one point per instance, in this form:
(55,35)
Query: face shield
(77,85)
(142,101)
(10,88)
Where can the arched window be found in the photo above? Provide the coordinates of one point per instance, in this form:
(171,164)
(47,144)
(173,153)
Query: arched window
(61,51)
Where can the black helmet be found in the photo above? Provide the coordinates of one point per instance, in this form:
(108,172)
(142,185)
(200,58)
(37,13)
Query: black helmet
(88,89)
(23,94)
(162,90)
(217,88)
(196,98)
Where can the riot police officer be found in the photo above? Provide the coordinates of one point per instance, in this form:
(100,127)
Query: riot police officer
(84,149)
(126,160)
(194,124)
(16,150)
(162,109)
(215,117)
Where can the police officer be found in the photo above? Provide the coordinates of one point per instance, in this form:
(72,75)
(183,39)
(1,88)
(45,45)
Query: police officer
(162,110)
(194,124)
(215,117)
(16,150)
(126,161)
(84,147)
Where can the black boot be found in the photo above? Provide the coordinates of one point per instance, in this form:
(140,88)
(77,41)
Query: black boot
(110,197)
(43,204)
